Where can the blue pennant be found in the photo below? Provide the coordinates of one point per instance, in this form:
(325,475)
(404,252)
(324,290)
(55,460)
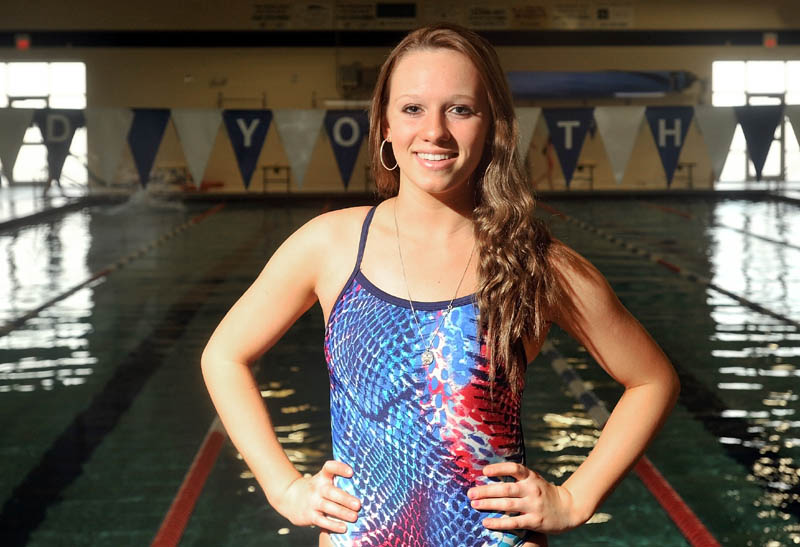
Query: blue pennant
(758,125)
(568,128)
(346,130)
(669,125)
(247,130)
(144,138)
(58,128)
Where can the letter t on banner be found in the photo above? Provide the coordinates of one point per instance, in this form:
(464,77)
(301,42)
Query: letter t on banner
(568,128)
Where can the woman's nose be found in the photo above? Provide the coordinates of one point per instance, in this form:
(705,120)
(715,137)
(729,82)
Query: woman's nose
(435,128)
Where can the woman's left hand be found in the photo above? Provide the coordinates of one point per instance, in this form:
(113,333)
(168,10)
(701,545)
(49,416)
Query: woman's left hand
(540,505)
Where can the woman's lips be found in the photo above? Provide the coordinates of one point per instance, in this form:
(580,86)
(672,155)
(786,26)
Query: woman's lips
(435,164)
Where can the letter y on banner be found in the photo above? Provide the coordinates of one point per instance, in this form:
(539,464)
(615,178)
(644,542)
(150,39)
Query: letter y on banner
(247,130)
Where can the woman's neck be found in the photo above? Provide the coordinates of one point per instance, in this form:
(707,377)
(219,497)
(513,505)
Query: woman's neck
(436,218)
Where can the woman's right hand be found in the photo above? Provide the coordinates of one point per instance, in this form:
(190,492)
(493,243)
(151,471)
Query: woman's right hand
(313,500)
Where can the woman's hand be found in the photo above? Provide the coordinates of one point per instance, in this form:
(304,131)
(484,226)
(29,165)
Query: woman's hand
(314,500)
(541,506)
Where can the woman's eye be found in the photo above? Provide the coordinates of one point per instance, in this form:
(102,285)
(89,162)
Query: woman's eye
(462,110)
(411,109)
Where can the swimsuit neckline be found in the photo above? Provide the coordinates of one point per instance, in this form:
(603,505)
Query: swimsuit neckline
(404,302)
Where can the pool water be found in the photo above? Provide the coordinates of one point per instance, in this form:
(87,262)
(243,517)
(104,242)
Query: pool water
(103,408)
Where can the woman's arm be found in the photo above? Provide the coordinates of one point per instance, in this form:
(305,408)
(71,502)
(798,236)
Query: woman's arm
(283,291)
(596,318)
(590,311)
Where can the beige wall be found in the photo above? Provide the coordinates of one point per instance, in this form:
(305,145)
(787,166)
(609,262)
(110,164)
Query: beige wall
(306,77)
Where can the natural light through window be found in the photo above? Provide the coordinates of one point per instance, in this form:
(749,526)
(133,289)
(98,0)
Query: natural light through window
(738,83)
(42,85)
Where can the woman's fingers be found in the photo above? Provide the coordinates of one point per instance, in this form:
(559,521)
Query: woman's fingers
(495,490)
(332,468)
(335,504)
(342,498)
(329,524)
(506,505)
(508,469)
(341,512)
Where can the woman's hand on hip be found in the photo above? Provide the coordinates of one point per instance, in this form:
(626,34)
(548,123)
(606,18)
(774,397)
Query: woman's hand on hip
(539,505)
(315,501)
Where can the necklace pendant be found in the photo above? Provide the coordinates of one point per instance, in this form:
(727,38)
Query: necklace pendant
(427,357)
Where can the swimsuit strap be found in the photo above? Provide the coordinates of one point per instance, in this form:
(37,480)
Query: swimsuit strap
(363,241)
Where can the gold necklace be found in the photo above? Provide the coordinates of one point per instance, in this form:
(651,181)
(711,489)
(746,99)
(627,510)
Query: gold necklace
(427,354)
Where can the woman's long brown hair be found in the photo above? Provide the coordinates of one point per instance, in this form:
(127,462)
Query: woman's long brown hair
(515,281)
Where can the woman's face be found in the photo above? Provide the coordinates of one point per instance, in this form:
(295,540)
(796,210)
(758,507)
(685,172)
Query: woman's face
(437,119)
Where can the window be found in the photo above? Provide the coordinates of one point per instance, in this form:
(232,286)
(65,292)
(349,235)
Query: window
(737,83)
(43,85)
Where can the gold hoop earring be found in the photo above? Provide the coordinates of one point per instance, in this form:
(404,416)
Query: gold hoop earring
(380,155)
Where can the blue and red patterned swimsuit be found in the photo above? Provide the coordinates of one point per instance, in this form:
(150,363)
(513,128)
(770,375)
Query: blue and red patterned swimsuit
(416,436)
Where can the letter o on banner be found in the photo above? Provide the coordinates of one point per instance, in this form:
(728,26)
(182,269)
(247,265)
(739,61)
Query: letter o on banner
(355,131)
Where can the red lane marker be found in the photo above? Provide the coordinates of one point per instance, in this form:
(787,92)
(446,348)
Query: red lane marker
(669,210)
(206,213)
(680,513)
(550,209)
(669,265)
(174,523)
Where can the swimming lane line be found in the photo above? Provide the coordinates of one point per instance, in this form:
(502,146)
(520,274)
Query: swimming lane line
(98,276)
(676,508)
(690,216)
(658,259)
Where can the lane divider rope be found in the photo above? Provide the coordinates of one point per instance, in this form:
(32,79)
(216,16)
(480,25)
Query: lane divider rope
(97,277)
(676,508)
(690,216)
(659,259)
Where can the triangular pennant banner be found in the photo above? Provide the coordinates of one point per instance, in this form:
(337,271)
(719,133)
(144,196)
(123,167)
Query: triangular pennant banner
(144,138)
(758,125)
(793,113)
(14,122)
(298,130)
(247,130)
(346,130)
(619,126)
(669,125)
(58,127)
(197,129)
(527,118)
(717,124)
(108,129)
(568,128)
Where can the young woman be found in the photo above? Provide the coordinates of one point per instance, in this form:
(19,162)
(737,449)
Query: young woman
(434,302)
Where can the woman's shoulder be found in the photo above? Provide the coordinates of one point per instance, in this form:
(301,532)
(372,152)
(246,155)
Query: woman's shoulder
(335,227)
(582,289)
